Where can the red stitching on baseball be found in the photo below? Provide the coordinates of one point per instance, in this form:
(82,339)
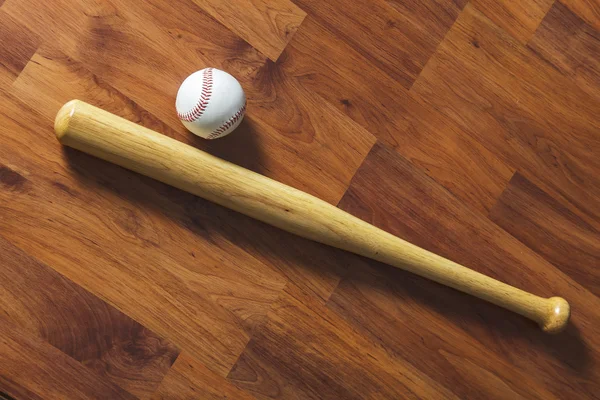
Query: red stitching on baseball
(228,124)
(200,107)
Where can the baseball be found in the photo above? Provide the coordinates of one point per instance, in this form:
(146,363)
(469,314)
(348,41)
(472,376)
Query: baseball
(210,103)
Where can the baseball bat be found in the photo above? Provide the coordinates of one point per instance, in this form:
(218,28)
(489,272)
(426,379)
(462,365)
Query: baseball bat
(117,140)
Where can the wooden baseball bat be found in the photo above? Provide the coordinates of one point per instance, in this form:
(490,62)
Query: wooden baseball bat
(112,138)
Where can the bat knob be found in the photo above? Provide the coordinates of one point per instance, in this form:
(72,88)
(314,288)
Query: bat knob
(63,118)
(557,316)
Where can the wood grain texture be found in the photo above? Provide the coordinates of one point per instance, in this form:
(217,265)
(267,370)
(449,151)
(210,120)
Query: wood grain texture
(46,305)
(571,46)
(32,369)
(401,48)
(589,10)
(408,317)
(189,379)
(97,132)
(519,18)
(18,45)
(424,213)
(175,234)
(153,249)
(546,226)
(266,25)
(518,107)
(306,351)
(354,85)
(459,103)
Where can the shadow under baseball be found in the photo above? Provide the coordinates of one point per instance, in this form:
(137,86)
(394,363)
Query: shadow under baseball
(241,147)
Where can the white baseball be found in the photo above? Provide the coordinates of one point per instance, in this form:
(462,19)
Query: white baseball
(210,103)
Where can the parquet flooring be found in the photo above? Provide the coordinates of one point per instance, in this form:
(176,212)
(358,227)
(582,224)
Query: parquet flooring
(470,128)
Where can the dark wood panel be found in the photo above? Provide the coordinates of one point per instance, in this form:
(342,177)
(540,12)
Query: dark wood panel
(32,369)
(423,213)
(350,82)
(40,301)
(405,39)
(266,25)
(415,320)
(519,107)
(519,18)
(546,226)
(307,352)
(589,10)
(571,46)
(189,379)
(18,45)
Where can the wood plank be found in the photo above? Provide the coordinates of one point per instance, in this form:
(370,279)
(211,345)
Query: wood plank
(518,18)
(32,369)
(189,379)
(407,32)
(18,45)
(453,328)
(307,352)
(518,107)
(544,225)
(351,83)
(571,46)
(45,304)
(588,10)
(266,25)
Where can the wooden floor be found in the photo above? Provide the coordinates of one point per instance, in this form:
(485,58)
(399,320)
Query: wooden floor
(470,128)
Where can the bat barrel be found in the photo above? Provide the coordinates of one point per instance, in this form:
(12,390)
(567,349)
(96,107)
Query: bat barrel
(114,139)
